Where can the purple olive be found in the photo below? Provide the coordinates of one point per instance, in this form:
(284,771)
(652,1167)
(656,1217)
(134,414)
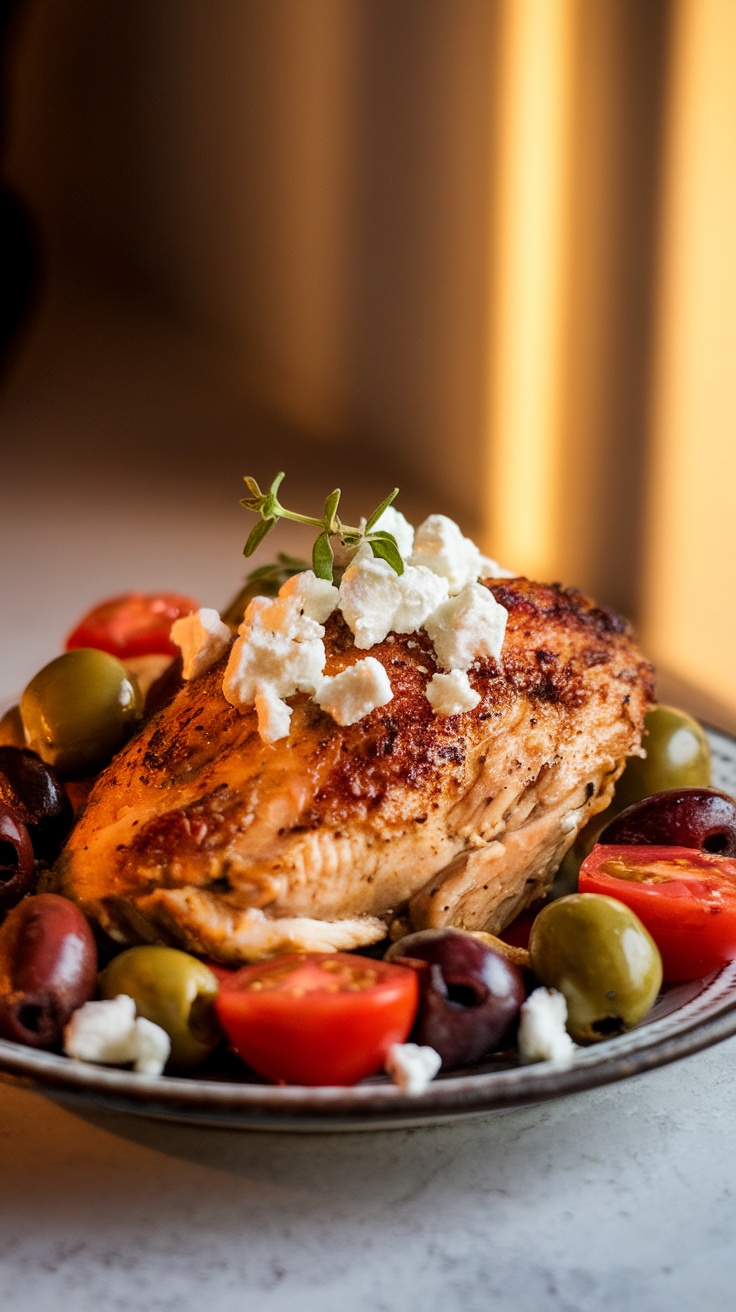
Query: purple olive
(681,817)
(36,794)
(48,968)
(469,995)
(17,866)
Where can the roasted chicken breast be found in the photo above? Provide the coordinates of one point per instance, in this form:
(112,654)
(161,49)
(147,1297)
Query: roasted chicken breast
(200,834)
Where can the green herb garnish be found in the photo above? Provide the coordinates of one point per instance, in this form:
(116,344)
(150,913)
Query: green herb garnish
(267,505)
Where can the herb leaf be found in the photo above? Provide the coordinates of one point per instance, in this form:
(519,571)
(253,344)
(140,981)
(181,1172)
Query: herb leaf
(380,509)
(384,547)
(331,504)
(322,557)
(257,534)
(268,506)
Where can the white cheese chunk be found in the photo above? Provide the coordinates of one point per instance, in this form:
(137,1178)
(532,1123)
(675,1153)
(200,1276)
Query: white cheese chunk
(103,1032)
(274,715)
(466,627)
(265,659)
(451,694)
(315,598)
(412,1067)
(440,545)
(542,1034)
(153,1047)
(109,1033)
(392,521)
(202,638)
(355,691)
(279,651)
(375,600)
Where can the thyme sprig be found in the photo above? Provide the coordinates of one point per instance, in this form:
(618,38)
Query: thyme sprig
(269,508)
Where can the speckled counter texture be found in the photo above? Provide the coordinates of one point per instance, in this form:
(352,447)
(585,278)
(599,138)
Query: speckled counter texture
(621,1198)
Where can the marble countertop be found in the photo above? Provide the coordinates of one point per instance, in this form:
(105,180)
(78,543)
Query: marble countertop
(618,1197)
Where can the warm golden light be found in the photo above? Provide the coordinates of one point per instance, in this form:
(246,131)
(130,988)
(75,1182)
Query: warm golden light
(691,561)
(528,281)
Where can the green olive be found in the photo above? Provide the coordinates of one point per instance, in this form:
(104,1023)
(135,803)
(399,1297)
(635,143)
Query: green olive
(598,953)
(174,990)
(11,729)
(79,710)
(678,756)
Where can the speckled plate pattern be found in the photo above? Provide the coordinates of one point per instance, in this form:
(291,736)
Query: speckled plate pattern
(684,1020)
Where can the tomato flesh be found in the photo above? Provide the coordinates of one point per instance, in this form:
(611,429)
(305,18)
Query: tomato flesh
(135,624)
(317,1018)
(685,898)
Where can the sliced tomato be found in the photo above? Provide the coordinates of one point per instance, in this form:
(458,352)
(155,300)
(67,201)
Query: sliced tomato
(317,1018)
(685,898)
(136,624)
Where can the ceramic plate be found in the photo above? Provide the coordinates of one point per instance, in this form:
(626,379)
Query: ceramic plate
(685,1019)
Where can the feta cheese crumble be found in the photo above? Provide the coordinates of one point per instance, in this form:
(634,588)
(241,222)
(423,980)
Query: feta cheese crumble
(412,1067)
(467,626)
(375,600)
(154,1047)
(451,694)
(110,1033)
(315,598)
(279,651)
(274,714)
(542,1034)
(355,691)
(440,545)
(202,638)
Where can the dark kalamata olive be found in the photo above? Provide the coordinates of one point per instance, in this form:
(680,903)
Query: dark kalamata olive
(34,792)
(48,968)
(17,866)
(682,817)
(469,995)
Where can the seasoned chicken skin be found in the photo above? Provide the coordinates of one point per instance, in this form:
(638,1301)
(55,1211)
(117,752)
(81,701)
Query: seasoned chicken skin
(200,834)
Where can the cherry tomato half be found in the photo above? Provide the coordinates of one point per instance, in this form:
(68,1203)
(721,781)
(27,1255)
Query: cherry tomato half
(685,898)
(136,624)
(317,1018)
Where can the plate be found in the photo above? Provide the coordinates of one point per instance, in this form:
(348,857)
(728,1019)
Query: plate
(684,1020)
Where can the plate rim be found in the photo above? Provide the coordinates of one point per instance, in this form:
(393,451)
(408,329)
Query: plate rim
(248,1105)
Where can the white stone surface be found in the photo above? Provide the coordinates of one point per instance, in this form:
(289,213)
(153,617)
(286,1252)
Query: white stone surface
(618,1198)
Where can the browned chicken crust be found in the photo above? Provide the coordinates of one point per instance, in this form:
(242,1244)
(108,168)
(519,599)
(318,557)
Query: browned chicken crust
(202,835)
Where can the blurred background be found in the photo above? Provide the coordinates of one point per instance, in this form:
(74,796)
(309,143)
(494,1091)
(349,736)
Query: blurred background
(483,249)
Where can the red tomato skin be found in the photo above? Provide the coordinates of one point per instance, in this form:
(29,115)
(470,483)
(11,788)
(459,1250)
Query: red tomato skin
(317,1038)
(134,624)
(691,916)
